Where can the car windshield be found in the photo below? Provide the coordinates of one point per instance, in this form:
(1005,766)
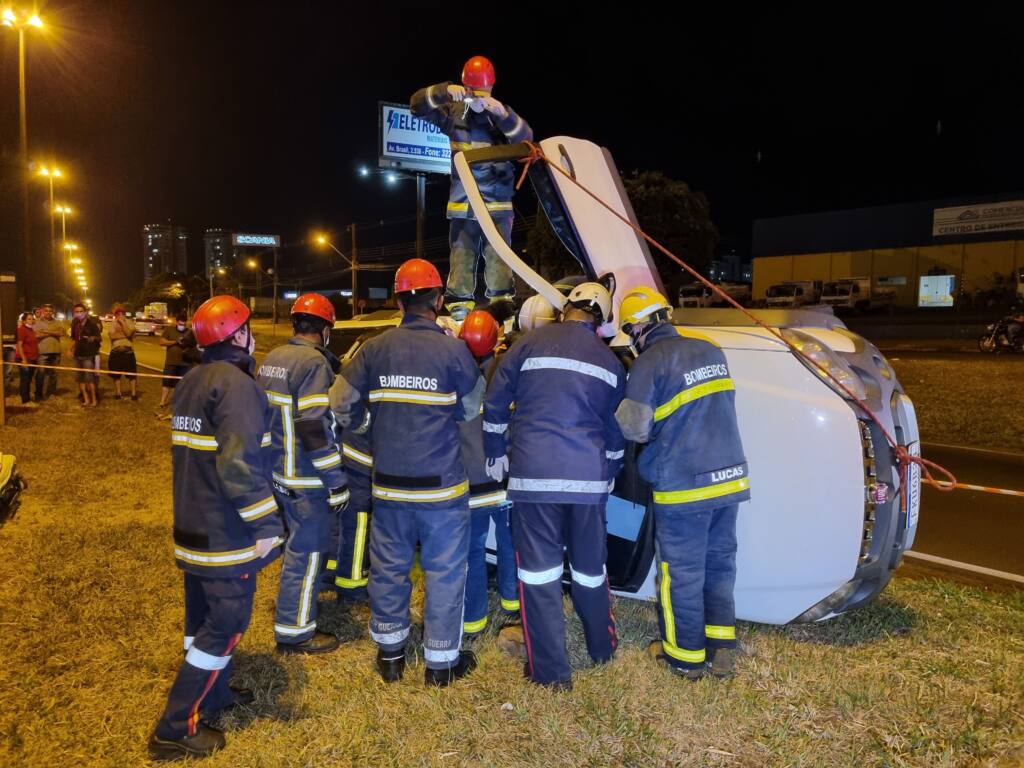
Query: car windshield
(781,290)
(837,289)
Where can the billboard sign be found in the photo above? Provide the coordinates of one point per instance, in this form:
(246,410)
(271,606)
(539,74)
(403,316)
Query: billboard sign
(978,219)
(410,143)
(242,240)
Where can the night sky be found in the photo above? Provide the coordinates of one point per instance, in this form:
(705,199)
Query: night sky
(255,116)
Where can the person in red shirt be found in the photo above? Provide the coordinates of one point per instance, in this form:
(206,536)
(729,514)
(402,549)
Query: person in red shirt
(28,352)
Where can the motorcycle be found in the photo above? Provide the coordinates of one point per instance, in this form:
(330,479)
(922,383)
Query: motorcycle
(1006,335)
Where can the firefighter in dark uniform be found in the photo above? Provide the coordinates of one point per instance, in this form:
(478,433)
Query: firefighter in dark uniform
(419,383)
(680,399)
(562,449)
(226,522)
(308,477)
(472,118)
(487,497)
(353,555)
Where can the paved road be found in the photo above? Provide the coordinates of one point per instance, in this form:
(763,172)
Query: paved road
(970,526)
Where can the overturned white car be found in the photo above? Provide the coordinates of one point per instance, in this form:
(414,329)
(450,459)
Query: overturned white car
(824,529)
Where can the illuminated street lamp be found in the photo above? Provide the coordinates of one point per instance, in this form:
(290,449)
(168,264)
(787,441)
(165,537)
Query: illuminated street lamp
(322,239)
(12,20)
(50,174)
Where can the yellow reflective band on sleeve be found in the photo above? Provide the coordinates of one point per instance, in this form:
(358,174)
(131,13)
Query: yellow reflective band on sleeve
(472,627)
(336,499)
(461,146)
(258,510)
(719,633)
(499,206)
(365,459)
(689,395)
(267,440)
(332,565)
(458,207)
(509,605)
(279,398)
(439,494)
(298,482)
(326,462)
(417,396)
(702,494)
(215,559)
(313,401)
(195,442)
(487,500)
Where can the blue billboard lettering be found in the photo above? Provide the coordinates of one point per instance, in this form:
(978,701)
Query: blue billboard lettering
(401,121)
(401,148)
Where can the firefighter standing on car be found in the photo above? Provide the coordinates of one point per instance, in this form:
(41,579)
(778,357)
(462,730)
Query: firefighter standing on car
(226,522)
(564,453)
(308,477)
(680,399)
(419,382)
(472,119)
(487,498)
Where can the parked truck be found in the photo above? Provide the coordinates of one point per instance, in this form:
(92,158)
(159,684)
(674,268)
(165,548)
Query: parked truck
(793,294)
(856,294)
(699,296)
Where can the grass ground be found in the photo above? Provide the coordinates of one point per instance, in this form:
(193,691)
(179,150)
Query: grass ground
(969,400)
(931,674)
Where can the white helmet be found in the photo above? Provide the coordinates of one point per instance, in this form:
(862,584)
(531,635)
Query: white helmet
(594,298)
(535,312)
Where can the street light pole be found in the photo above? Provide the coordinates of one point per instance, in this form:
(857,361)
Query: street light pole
(355,269)
(23,139)
(421,197)
(275,292)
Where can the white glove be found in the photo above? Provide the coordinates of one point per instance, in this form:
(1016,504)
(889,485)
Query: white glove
(497,468)
(456,92)
(495,107)
(265,546)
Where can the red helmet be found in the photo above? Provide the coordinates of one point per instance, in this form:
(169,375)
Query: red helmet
(480,332)
(478,73)
(416,275)
(218,319)
(314,304)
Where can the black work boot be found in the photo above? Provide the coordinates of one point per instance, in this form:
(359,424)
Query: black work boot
(722,662)
(320,642)
(443,677)
(240,697)
(657,652)
(205,742)
(391,665)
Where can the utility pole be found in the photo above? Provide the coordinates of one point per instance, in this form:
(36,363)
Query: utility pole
(355,263)
(421,198)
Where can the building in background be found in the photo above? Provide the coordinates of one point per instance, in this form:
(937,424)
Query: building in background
(217,249)
(978,242)
(164,249)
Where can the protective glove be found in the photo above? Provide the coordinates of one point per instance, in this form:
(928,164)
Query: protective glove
(495,107)
(497,468)
(264,546)
(338,498)
(456,92)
